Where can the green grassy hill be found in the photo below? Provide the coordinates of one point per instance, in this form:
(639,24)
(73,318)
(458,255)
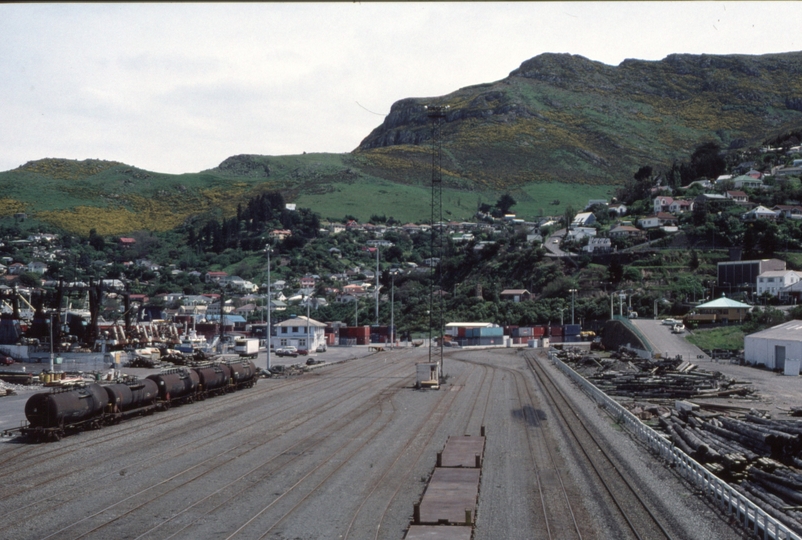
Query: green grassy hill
(558,131)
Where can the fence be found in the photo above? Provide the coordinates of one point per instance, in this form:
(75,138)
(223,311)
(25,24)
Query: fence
(750,515)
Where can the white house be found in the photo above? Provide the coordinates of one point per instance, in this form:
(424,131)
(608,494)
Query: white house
(619,209)
(37,267)
(773,346)
(773,281)
(299,332)
(680,206)
(760,213)
(598,245)
(662,204)
(583,219)
(649,222)
(579,233)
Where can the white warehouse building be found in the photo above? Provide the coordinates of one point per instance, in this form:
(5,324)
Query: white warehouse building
(774,346)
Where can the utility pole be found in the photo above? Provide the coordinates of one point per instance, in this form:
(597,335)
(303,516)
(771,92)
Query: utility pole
(377,286)
(392,309)
(268,250)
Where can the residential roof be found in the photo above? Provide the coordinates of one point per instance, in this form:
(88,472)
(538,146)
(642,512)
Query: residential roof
(300,320)
(514,291)
(723,302)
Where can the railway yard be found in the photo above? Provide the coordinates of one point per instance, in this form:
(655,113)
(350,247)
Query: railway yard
(347,451)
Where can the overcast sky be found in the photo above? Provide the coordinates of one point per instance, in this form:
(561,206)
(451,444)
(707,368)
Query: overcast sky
(180,87)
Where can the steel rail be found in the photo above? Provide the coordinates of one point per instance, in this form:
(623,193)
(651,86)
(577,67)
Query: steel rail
(555,395)
(303,418)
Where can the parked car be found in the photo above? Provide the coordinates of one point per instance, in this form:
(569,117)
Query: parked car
(6,360)
(670,322)
(321,348)
(287,351)
(303,352)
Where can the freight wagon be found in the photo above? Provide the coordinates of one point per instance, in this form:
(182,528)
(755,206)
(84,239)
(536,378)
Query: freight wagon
(52,415)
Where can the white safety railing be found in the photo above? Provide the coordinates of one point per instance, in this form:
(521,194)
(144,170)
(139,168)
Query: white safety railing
(749,514)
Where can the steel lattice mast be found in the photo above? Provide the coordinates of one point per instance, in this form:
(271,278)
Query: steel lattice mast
(436,114)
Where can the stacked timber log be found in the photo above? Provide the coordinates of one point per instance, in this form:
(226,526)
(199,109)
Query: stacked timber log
(624,374)
(759,456)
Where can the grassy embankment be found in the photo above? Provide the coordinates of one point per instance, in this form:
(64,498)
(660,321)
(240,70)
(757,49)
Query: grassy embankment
(727,337)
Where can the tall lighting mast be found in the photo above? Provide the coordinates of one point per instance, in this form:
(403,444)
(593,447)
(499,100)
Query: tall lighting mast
(436,114)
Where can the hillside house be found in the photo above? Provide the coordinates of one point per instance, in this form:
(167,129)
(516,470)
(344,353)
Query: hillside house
(662,204)
(580,233)
(747,182)
(773,281)
(740,197)
(617,209)
(583,219)
(37,267)
(710,201)
(788,211)
(680,206)
(336,228)
(760,213)
(214,277)
(625,231)
(649,222)
(279,234)
(515,295)
(598,245)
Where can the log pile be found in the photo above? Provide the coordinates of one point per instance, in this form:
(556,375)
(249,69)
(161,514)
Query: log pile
(759,456)
(626,375)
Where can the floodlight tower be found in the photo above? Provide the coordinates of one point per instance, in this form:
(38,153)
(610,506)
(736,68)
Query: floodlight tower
(436,114)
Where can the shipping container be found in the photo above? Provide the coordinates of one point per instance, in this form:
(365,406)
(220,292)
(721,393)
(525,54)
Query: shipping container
(539,331)
(556,331)
(523,331)
(572,329)
(510,330)
(491,332)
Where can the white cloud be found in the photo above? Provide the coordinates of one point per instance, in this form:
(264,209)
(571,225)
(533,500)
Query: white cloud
(180,87)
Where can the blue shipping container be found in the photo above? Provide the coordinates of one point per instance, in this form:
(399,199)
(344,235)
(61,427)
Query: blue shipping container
(491,332)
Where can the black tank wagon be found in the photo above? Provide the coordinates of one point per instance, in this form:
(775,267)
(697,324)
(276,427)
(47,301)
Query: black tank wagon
(52,415)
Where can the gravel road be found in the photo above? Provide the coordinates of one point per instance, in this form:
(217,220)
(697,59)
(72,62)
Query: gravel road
(341,452)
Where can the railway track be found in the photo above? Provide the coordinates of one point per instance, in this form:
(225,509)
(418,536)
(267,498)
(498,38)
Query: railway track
(555,506)
(620,491)
(180,423)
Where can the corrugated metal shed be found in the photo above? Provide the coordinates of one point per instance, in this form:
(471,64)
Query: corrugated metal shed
(771,347)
